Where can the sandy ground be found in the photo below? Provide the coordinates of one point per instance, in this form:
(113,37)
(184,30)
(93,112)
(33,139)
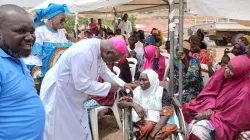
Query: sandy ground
(108,128)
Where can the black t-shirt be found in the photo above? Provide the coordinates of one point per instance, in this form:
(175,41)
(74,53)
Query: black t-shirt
(125,74)
(203,46)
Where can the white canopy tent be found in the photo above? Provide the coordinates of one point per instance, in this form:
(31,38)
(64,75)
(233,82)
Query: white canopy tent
(77,6)
(110,6)
(22,3)
(132,7)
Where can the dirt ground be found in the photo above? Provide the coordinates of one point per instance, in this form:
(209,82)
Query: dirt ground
(108,128)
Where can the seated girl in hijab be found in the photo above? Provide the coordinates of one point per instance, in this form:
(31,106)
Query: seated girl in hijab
(239,49)
(221,111)
(151,108)
(192,79)
(154,60)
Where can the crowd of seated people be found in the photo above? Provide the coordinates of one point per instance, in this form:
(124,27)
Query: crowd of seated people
(210,111)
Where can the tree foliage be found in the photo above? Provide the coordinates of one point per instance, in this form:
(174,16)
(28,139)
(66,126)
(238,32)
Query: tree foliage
(70,23)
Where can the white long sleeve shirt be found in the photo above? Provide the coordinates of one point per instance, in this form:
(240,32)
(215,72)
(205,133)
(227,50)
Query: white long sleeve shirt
(65,89)
(126,26)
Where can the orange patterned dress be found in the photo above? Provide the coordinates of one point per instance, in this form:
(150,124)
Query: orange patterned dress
(204,57)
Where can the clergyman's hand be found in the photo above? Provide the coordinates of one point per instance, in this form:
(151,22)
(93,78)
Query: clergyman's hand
(130,86)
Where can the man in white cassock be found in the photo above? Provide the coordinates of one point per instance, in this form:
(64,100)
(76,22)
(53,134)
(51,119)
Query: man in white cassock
(67,85)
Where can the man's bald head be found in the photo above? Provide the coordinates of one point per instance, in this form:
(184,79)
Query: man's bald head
(8,10)
(17,31)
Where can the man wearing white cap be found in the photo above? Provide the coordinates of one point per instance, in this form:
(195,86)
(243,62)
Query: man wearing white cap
(116,24)
(67,84)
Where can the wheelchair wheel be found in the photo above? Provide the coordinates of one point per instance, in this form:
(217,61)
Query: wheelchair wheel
(182,122)
(176,136)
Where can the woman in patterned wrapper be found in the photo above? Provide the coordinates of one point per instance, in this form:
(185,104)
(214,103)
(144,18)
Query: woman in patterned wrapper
(50,43)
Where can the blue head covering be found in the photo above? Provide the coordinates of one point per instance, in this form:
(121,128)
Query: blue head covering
(150,40)
(242,46)
(51,11)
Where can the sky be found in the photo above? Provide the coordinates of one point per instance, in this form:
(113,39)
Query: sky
(22,3)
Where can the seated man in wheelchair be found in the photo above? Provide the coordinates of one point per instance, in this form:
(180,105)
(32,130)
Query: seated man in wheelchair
(151,108)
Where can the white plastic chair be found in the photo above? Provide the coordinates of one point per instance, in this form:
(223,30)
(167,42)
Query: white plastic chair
(166,55)
(116,70)
(167,62)
(132,67)
(94,115)
(214,53)
(216,66)
(132,60)
(205,75)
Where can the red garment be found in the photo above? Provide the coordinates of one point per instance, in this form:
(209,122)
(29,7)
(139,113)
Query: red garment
(109,99)
(228,98)
(168,50)
(83,38)
(94,24)
(204,56)
(104,101)
(122,60)
(193,137)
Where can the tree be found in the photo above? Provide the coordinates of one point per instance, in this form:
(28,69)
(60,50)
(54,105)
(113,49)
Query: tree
(70,23)
(132,18)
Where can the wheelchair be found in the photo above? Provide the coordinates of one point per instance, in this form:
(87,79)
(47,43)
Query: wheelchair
(177,119)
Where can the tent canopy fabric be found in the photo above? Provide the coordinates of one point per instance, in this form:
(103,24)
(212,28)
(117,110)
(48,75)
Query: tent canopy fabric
(110,6)
(132,6)
(232,9)
(22,3)
(77,6)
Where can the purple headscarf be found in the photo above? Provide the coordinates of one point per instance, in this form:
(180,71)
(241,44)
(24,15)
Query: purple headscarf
(242,46)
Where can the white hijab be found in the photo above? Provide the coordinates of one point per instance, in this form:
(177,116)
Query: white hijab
(151,98)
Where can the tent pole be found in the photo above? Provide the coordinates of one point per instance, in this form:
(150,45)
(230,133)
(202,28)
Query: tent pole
(168,20)
(172,33)
(181,17)
(76,26)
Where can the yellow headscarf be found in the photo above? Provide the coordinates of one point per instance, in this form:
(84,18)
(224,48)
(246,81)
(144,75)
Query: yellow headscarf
(161,35)
(248,39)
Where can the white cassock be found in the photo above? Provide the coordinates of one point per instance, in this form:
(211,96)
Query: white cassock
(66,87)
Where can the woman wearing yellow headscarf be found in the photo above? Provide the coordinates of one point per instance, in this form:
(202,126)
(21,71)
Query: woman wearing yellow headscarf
(246,40)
